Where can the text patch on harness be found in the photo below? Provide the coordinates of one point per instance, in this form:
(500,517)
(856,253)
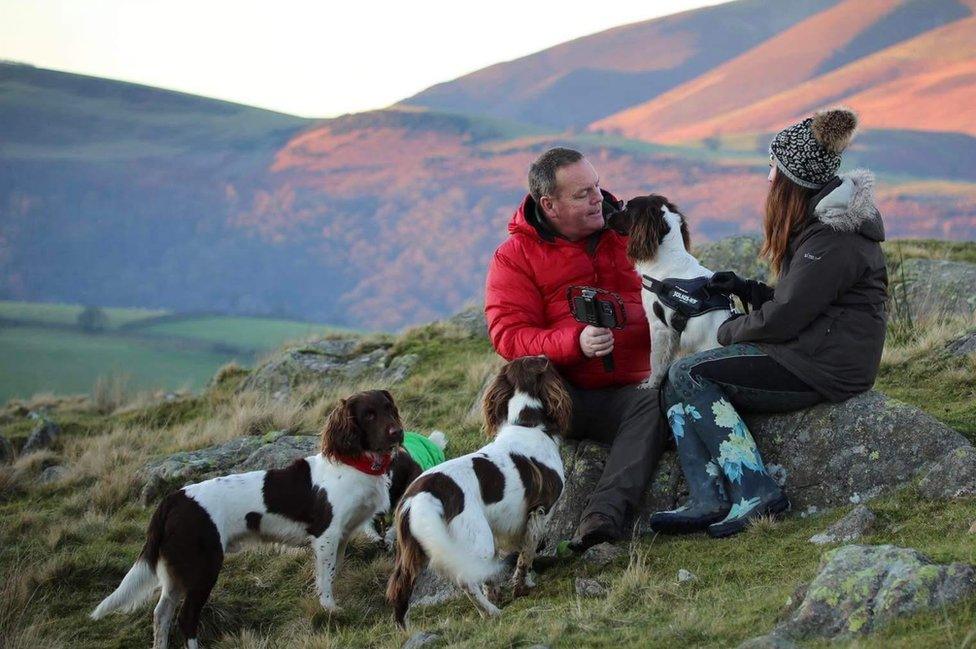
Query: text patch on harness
(689,297)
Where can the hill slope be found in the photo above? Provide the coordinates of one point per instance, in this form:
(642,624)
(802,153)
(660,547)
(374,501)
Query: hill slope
(578,82)
(820,61)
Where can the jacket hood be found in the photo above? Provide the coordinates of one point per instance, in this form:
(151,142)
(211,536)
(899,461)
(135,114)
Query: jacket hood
(527,221)
(846,204)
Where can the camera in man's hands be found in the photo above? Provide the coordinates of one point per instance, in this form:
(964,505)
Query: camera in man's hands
(597,307)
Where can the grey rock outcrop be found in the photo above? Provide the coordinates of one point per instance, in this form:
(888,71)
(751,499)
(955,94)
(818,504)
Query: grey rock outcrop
(272,451)
(965,344)
(849,528)
(936,287)
(954,476)
(328,361)
(835,454)
(829,455)
(860,588)
(739,254)
(469,322)
(43,436)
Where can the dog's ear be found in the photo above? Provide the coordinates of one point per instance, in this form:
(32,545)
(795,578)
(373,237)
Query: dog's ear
(341,434)
(495,405)
(389,397)
(646,229)
(621,221)
(685,234)
(557,401)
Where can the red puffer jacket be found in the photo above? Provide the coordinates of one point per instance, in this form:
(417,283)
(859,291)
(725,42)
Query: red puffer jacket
(527,310)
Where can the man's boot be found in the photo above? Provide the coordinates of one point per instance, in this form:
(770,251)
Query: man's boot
(751,490)
(706,503)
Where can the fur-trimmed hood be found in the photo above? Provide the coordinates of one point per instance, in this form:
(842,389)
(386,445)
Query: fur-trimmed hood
(846,204)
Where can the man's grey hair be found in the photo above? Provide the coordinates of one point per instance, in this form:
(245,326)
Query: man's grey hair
(542,173)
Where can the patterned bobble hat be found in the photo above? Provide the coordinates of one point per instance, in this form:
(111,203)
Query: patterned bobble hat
(808,153)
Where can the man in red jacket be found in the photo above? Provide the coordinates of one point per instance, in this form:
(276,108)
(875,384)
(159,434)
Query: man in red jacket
(558,238)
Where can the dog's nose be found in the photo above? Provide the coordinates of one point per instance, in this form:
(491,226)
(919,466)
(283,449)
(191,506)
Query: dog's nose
(395,434)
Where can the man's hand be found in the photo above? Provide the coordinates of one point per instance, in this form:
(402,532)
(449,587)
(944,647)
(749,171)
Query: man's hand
(596,341)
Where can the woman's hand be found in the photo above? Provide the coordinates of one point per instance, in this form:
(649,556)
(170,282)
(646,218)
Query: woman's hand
(727,282)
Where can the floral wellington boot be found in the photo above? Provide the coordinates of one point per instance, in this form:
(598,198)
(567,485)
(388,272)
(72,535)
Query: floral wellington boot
(707,502)
(751,490)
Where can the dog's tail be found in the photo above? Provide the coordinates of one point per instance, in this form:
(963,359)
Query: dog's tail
(141,580)
(410,560)
(439,439)
(450,556)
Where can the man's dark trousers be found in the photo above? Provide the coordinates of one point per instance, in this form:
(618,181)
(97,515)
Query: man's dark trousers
(628,419)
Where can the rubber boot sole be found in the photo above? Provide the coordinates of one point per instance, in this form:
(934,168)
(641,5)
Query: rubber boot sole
(681,525)
(778,506)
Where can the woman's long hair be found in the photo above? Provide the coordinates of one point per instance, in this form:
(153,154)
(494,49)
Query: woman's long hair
(786,214)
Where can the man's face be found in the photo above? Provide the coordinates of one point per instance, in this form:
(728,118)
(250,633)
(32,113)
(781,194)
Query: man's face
(576,208)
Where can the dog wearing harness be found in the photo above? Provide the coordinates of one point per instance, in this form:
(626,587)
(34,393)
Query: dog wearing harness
(684,316)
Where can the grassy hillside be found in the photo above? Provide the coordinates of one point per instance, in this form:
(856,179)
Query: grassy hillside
(65,544)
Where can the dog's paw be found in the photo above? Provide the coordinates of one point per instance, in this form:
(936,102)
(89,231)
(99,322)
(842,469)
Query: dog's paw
(648,384)
(329,605)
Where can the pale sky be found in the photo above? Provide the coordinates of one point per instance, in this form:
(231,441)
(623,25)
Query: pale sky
(309,58)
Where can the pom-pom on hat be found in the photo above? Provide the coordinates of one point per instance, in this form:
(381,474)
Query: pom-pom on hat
(808,153)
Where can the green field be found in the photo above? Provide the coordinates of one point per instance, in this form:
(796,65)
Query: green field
(36,359)
(252,333)
(67,314)
(42,348)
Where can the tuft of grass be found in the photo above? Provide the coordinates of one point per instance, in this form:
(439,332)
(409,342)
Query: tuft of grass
(111,392)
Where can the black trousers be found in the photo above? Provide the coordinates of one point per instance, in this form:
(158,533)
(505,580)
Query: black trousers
(629,421)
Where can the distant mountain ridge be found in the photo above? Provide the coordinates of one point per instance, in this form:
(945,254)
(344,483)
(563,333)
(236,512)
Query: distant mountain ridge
(123,195)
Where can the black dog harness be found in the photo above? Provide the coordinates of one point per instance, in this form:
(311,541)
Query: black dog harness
(688,298)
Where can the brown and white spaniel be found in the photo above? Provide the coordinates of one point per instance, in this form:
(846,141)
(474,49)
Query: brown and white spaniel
(459,514)
(320,500)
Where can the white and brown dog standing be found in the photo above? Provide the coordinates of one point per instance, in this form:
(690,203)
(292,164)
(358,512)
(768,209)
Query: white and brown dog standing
(659,245)
(320,500)
(460,513)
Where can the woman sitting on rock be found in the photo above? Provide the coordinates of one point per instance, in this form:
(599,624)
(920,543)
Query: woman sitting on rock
(818,335)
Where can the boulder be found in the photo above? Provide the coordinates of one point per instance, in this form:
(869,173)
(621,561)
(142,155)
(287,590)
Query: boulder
(421,639)
(838,453)
(860,588)
(935,287)
(603,553)
(43,436)
(849,528)
(739,254)
(686,575)
(328,361)
(954,476)
(826,456)
(589,588)
(52,474)
(6,450)
(272,451)
(430,589)
(965,344)
(469,322)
